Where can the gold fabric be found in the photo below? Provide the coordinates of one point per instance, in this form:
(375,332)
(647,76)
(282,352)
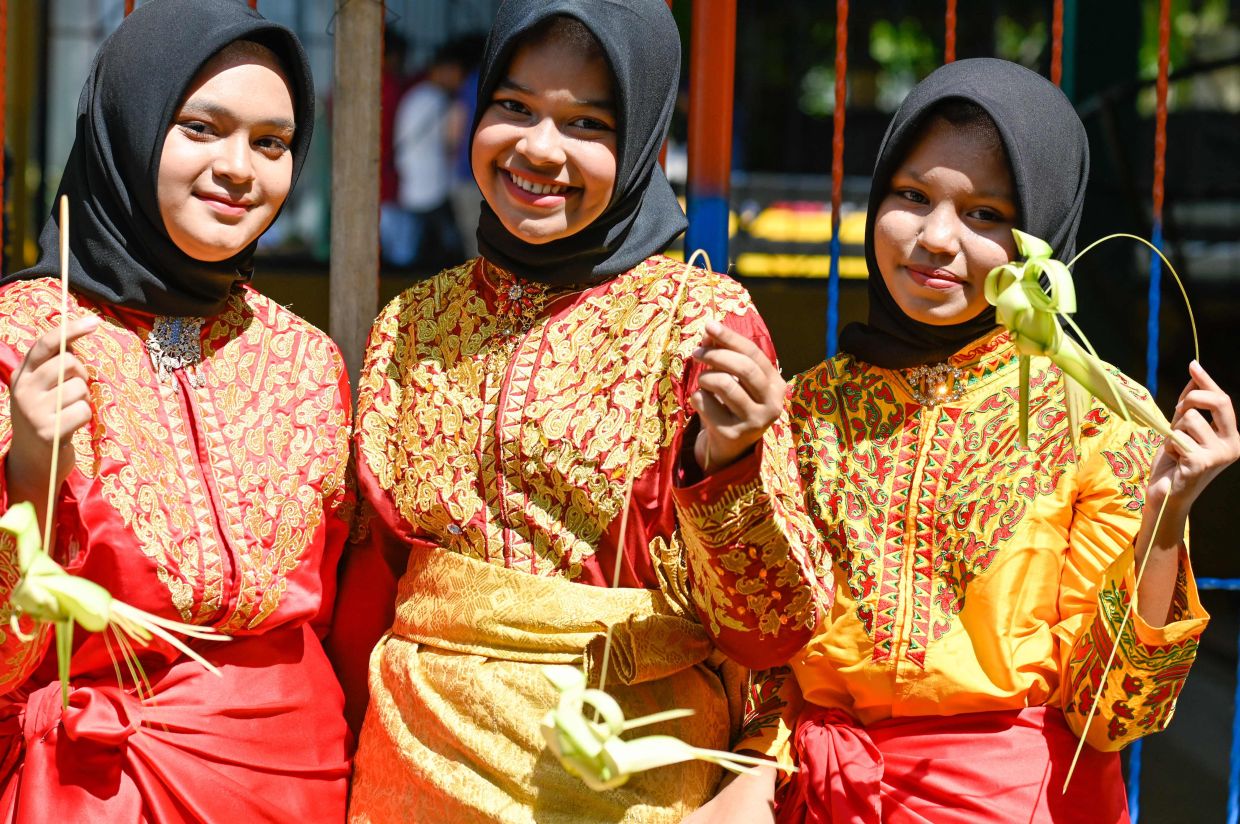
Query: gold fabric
(458,692)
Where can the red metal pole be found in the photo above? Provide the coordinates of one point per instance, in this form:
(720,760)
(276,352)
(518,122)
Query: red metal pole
(254,4)
(128,7)
(837,172)
(949,35)
(712,72)
(1057,44)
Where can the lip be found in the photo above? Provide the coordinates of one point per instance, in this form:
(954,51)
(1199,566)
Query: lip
(543,201)
(934,278)
(223,204)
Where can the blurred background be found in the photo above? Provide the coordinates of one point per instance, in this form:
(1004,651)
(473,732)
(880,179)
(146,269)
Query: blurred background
(779,202)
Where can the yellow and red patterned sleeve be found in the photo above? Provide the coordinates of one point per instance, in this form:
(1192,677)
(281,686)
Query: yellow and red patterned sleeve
(772,704)
(1151,663)
(18,658)
(750,546)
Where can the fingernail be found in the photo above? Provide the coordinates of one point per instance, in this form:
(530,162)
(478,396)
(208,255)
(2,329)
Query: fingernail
(714,327)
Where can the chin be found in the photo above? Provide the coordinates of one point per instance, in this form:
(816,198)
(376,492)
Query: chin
(537,234)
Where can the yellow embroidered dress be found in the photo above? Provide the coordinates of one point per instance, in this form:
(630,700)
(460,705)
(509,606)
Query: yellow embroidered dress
(498,422)
(974,574)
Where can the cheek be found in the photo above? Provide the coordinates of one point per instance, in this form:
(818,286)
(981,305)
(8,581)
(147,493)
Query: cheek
(278,180)
(486,143)
(178,167)
(892,231)
(598,169)
(985,252)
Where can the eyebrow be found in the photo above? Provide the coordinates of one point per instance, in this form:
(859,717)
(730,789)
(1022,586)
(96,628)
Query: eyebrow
(606,104)
(212,109)
(989,194)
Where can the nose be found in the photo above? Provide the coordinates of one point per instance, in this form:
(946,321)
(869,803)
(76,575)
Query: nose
(542,144)
(234,160)
(940,232)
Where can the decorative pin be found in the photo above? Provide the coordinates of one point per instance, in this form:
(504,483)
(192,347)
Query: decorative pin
(176,343)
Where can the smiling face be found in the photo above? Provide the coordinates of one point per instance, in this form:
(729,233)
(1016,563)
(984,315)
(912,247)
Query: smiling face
(226,167)
(544,152)
(946,221)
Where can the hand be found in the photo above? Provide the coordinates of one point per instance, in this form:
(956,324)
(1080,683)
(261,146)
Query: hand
(32,398)
(748,799)
(1181,476)
(739,396)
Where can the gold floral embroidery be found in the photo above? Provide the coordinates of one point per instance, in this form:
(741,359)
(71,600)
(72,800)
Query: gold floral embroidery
(515,452)
(273,436)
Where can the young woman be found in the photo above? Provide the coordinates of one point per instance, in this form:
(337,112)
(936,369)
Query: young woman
(204,474)
(980,583)
(504,408)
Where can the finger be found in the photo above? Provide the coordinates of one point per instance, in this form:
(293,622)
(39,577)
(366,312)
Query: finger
(1188,387)
(1217,403)
(1202,377)
(48,346)
(1197,428)
(753,376)
(73,417)
(728,391)
(726,338)
(73,391)
(713,413)
(47,374)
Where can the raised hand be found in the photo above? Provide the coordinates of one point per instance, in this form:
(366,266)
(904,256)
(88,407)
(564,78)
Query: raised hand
(739,396)
(1180,474)
(32,397)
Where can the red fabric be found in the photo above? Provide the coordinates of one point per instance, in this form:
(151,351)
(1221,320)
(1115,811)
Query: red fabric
(989,766)
(224,502)
(263,743)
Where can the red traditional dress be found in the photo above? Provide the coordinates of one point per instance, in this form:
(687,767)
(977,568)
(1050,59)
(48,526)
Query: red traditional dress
(981,587)
(213,493)
(498,423)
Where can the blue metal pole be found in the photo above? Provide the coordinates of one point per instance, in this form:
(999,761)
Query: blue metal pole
(1155,305)
(1233,761)
(1134,780)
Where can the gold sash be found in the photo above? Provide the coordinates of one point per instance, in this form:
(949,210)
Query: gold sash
(457,692)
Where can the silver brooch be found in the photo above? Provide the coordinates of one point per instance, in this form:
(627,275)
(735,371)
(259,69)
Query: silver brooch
(176,343)
(936,384)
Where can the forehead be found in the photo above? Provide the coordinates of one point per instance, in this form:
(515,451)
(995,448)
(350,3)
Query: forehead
(554,65)
(241,60)
(941,145)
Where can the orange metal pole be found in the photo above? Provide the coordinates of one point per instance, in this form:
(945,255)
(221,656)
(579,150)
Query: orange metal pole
(128,7)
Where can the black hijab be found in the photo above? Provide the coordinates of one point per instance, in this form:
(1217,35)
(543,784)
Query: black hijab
(119,250)
(642,45)
(1048,155)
